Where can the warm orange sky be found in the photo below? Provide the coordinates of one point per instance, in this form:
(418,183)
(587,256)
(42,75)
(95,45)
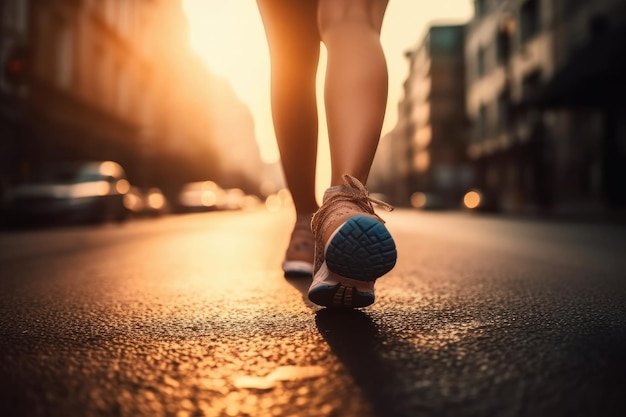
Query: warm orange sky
(229,36)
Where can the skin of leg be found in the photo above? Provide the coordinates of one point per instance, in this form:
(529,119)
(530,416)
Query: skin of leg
(294,45)
(356,84)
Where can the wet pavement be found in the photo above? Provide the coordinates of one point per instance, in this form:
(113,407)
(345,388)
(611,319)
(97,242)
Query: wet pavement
(191,316)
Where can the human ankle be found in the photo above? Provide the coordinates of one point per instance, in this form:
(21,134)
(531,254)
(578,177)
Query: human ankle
(300,217)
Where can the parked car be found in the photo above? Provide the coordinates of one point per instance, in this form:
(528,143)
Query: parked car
(155,202)
(201,196)
(134,201)
(146,202)
(70,192)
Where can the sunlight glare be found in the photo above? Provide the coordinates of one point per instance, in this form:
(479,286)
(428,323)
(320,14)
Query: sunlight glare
(229,37)
(215,33)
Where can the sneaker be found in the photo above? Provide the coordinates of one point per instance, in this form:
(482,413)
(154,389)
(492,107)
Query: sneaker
(301,250)
(353,247)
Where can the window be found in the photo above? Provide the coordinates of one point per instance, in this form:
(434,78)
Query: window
(531,84)
(482,122)
(97,74)
(480,7)
(15,15)
(480,62)
(503,111)
(530,20)
(503,47)
(64,65)
(122,96)
(423,137)
(421,161)
(570,7)
(445,39)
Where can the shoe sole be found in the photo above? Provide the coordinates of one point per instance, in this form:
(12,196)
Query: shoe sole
(340,296)
(297,269)
(361,249)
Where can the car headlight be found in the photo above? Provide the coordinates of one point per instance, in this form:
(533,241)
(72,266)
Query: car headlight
(90,189)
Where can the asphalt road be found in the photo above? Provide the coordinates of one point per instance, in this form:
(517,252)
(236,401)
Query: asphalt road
(191,316)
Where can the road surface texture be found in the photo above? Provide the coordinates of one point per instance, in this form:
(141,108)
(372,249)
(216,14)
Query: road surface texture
(191,316)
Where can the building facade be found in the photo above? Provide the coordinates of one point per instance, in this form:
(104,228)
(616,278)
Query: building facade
(83,69)
(428,144)
(109,79)
(535,149)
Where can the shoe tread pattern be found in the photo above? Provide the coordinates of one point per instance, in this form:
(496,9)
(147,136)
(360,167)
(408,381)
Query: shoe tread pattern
(362,249)
(340,296)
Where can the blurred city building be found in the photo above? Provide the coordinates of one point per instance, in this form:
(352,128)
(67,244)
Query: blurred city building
(544,124)
(116,80)
(428,144)
(548,132)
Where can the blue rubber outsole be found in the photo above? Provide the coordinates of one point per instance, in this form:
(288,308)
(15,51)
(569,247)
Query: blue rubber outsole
(362,249)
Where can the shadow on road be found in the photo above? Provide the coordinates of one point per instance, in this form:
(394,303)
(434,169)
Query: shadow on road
(462,366)
(302,284)
(355,340)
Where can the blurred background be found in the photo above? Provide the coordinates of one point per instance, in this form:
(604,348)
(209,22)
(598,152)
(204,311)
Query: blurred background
(523,105)
(110,109)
